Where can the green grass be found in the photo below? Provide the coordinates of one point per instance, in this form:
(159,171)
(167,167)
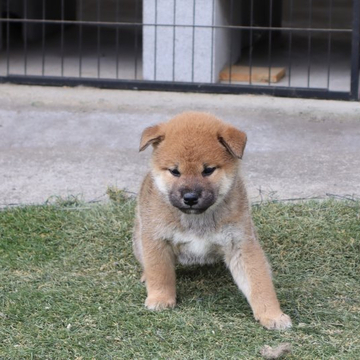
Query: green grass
(70,287)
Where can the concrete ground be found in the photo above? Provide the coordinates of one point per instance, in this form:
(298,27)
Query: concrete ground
(79,141)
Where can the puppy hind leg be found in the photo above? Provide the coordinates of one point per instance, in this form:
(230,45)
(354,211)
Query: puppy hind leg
(251,273)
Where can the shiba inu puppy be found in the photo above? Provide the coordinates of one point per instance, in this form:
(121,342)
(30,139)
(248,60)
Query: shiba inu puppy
(193,209)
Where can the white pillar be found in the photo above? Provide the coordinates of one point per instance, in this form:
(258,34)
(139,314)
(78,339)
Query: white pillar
(180,44)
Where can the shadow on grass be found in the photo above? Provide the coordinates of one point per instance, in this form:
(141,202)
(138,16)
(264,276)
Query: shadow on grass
(210,286)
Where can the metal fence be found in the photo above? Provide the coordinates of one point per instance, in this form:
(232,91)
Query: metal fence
(298,48)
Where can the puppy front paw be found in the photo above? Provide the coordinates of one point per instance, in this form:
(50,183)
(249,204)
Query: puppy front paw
(160,302)
(278,322)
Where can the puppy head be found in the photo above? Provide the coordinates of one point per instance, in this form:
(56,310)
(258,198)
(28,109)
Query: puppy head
(195,159)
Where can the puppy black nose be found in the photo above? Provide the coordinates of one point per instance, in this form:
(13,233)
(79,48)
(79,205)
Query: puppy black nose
(190,198)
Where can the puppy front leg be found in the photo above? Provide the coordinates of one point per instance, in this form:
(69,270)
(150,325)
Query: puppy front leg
(159,274)
(251,272)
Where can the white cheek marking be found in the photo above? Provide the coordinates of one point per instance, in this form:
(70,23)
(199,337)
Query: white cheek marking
(161,183)
(225,185)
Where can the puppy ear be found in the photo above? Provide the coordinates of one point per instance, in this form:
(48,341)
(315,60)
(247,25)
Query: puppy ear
(151,135)
(233,140)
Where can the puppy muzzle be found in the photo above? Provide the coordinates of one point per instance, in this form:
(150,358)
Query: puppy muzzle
(192,201)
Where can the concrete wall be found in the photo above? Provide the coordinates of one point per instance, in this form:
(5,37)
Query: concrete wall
(177,51)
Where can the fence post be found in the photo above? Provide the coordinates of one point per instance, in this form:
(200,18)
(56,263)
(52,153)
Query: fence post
(355,51)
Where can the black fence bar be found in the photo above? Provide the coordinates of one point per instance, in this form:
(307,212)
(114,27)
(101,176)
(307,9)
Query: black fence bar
(155,38)
(212,40)
(7,38)
(251,39)
(62,37)
(43,27)
(174,43)
(25,9)
(355,56)
(193,42)
(290,43)
(177,87)
(80,37)
(329,44)
(309,44)
(136,44)
(98,37)
(231,17)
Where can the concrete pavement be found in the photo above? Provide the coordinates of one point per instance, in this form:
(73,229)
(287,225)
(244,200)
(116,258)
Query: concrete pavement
(79,141)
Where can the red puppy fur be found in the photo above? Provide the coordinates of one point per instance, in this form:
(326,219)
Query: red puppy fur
(193,209)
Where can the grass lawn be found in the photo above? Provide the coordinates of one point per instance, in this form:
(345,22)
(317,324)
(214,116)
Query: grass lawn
(70,287)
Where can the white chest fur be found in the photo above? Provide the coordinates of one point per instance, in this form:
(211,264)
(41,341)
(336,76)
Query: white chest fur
(206,248)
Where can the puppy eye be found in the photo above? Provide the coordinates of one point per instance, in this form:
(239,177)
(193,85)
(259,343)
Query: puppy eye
(208,171)
(175,172)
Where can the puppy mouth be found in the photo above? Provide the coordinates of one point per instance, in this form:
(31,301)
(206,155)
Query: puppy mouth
(192,211)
